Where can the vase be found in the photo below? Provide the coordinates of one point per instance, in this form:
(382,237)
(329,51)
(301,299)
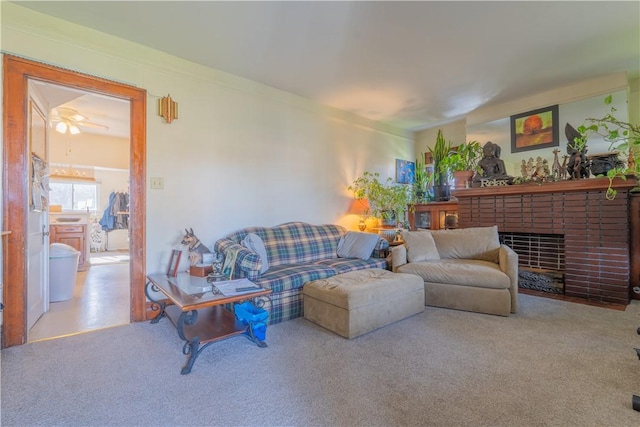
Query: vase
(441,193)
(462,179)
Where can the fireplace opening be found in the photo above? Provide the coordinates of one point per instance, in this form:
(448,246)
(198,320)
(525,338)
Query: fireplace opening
(541,265)
(542,280)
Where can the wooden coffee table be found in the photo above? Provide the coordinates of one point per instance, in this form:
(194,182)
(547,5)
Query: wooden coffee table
(198,313)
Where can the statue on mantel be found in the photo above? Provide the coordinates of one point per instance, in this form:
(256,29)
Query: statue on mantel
(578,165)
(494,171)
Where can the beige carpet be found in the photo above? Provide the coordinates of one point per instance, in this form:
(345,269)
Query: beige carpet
(553,364)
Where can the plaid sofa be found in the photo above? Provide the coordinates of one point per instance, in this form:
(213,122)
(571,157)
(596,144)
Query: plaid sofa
(297,253)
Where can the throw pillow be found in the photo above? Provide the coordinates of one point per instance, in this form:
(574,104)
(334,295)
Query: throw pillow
(420,246)
(354,244)
(253,242)
(481,243)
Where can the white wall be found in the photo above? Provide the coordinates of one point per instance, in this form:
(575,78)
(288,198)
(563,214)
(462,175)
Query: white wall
(574,113)
(89,150)
(240,153)
(454,132)
(577,102)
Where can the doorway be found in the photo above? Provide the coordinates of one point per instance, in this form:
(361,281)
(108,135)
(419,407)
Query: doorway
(88,162)
(17,72)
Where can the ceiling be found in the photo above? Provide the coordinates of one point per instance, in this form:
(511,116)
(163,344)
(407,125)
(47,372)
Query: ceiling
(413,65)
(104,115)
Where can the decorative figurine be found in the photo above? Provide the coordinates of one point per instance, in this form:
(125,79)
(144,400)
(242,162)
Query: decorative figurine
(555,168)
(493,168)
(196,248)
(578,166)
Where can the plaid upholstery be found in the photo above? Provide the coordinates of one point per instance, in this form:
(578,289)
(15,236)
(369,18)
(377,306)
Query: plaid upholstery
(285,305)
(297,253)
(344,265)
(292,276)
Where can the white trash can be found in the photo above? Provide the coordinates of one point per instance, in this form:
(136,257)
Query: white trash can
(63,269)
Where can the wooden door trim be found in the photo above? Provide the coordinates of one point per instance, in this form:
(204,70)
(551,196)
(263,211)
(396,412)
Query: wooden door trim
(17,71)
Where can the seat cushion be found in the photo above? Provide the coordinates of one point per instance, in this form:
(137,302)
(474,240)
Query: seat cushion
(354,303)
(361,288)
(473,273)
(291,276)
(344,265)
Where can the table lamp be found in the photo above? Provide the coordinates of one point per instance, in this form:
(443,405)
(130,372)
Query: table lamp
(360,207)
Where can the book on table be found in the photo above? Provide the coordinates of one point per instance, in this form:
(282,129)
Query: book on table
(230,288)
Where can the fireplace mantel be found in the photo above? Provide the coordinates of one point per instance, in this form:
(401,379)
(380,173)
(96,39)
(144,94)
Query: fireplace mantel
(550,187)
(596,231)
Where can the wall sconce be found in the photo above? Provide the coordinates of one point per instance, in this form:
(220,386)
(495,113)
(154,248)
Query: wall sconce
(167,108)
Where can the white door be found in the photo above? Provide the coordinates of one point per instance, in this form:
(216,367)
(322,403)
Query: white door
(38,218)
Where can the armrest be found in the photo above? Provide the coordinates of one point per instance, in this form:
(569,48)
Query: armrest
(508,260)
(248,263)
(398,256)
(381,247)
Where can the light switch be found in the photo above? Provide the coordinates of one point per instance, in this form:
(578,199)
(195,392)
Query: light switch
(157,183)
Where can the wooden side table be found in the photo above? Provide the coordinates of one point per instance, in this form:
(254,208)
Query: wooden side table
(198,313)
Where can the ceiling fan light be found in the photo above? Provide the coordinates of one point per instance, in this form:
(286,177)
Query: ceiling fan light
(61,127)
(73,130)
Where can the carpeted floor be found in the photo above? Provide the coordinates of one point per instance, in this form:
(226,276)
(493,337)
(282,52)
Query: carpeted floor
(555,363)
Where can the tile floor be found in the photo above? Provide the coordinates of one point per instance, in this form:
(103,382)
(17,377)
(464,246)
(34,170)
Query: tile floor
(100,300)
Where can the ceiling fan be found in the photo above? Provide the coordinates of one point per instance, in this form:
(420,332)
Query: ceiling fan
(69,119)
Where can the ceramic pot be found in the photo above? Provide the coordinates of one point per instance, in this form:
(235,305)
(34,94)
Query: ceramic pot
(462,179)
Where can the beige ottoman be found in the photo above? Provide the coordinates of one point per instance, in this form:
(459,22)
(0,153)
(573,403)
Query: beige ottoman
(354,303)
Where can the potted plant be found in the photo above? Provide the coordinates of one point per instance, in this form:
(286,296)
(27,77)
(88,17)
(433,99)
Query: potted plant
(387,201)
(440,151)
(462,162)
(623,136)
(421,180)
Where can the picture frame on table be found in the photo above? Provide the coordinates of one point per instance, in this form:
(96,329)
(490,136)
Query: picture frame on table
(535,129)
(174,263)
(405,171)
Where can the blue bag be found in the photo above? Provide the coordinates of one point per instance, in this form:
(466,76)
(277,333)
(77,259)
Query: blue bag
(254,317)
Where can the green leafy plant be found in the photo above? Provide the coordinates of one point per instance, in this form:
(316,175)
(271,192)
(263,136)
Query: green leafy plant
(386,199)
(422,179)
(440,151)
(622,136)
(464,158)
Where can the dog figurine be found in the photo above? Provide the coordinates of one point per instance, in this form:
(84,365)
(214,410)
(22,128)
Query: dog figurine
(196,248)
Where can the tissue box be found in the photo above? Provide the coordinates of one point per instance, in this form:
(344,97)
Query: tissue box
(200,270)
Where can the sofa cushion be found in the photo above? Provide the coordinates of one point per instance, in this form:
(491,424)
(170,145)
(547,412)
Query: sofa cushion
(420,246)
(344,265)
(357,245)
(481,243)
(292,276)
(254,242)
(473,273)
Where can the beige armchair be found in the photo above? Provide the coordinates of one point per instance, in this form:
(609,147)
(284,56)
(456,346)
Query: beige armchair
(464,269)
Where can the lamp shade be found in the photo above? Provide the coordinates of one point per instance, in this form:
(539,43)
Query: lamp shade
(359,207)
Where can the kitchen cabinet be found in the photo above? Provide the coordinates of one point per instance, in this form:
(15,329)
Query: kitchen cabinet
(74,235)
(434,216)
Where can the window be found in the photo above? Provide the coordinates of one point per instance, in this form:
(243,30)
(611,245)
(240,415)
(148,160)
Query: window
(74,196)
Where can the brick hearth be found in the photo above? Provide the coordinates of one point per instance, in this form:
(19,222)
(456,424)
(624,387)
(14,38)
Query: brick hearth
(595,231)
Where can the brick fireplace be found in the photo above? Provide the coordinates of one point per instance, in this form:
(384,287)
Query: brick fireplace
(566,227)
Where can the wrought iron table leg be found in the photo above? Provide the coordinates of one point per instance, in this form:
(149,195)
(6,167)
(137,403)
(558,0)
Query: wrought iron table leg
(155,305)
(252,337)
(191,346)
(190,349)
